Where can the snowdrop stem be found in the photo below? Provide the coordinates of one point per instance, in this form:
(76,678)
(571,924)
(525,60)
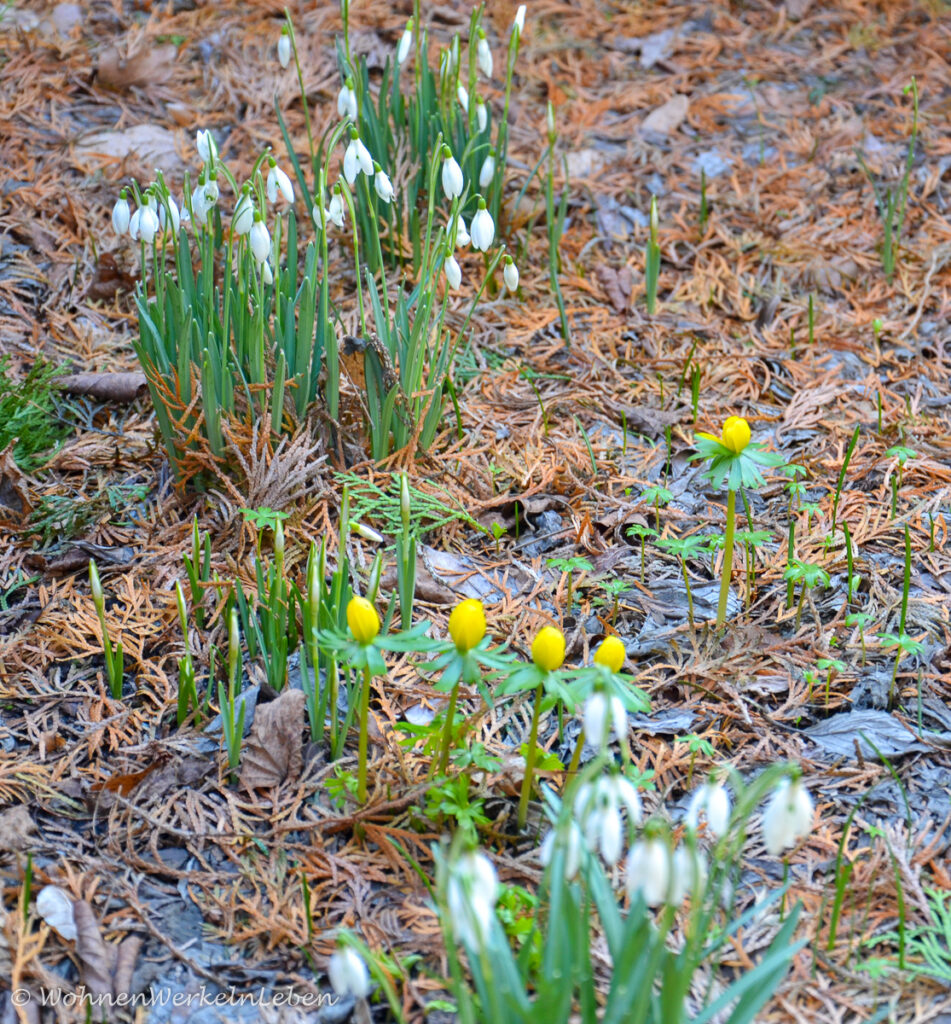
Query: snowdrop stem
(530,759)
(300,82)
(373,206)
(362,753)
(348,199)
(576,756)
(447,730)
(727,557)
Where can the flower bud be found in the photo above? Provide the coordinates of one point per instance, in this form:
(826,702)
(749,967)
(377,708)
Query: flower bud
(548,649)
(406,41)
(205,144)
(260,239)
(470,896)
(510,275)
(452,182)
(736,434)
(284,48)
(487,171)
(347,101)
(94,584)
(484,54)
(713,802)
(453,271)
(482,228)
(788,816)
(148,224)
(383,185)
(519,22)
(348,974)
(243,218)
(610,653)
(467,625)
(649,871)
(363,620)
(121,214)
(482,114)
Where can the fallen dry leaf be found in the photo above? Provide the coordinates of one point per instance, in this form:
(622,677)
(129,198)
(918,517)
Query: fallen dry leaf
(273,751)
(107,387)
(143,67)
(667,118)
(96,957)
(618,285)
(151,143)
(108,280)
(16,829)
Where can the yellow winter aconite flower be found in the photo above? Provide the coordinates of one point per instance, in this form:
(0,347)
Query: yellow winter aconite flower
(735,436)
(548,649)
(363,620)
(610,653)
(467,625)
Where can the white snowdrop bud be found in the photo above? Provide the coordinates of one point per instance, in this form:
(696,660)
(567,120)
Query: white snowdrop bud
(383,185)
(284,48)
(649,871)
(260,239)
(148,224)
(267,275)
(406,41)
(471,895)
(484,54)
(712,801)
(462,232)
(519,22)
(121,214)
(206,147)
(487,171)
(453,272)
(482,114)
(243,217)
(482,228)
(788,816)
(348,974)
(573,844)
(452,183)
(347,101)
(462,94)
(688,875)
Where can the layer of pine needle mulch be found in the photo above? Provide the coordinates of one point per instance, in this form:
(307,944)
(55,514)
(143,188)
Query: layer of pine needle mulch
(197,880)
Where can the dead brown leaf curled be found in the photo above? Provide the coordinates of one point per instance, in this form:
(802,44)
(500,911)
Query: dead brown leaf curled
(273,751)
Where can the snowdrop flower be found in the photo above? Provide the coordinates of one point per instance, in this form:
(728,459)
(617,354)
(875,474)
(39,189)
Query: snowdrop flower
(451,175)
(260,239)
(487,172)
(348,974)
(171,216)
(199,209)
(598,808)
(121,214)
(134,225)
(470,895)
(347,101)
(382,184)
(267,275)
(206,147)
(482,115)
(519,21)
(713,802)
(453,271)
(356,159)
(603,715)
(462,232)
(148,224)
(462,94)
(649,871)
(484,54)
(482,228)
(210,193)
(406,41)
(278,181)
(243,217)
(284,48)
(572,841)
(688,875)
(337,209)
(788,816)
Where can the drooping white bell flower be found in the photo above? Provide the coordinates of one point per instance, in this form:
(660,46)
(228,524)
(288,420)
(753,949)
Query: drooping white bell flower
(148,224)
(598,807)
(210,193)
(452,183)
(688,875)
(382,184)
(337,209)
(453,271)
(788,816)
(199,206)
(348,974)
(712,802)
(471,894)
(278,181)
(406,41)
(121,214)
(482,114)
(462,94)
(284,48)
(170,216)
(603,714)
(260,239)
(356,159)
(572,841)
(519,21)
(484,54)
(347,101)
(243,218)
(267,275)
(205,144)
(487,171)
(482,228)
(134,224)
(649,871)
(462,232)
